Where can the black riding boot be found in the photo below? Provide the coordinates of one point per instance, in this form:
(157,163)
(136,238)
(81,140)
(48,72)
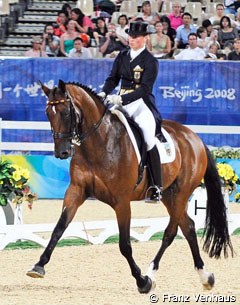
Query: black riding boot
(154,164)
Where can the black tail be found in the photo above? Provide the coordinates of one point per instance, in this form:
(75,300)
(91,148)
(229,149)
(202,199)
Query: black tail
(216,236)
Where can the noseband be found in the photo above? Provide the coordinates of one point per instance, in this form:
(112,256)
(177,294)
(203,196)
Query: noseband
(73,134)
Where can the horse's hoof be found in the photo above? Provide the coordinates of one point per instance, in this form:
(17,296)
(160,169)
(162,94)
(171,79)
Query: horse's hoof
(36,272)
(210,283)
(148,286)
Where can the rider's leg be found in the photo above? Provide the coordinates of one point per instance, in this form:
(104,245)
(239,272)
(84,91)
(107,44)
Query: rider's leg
(154,164)
(143,116)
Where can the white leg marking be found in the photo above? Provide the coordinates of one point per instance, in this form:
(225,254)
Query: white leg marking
(207,278)
(204,275)
(151,272)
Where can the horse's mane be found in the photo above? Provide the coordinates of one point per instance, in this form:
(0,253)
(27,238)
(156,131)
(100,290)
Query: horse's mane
(86,88)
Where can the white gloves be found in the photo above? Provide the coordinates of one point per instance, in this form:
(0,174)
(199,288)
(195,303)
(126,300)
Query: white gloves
(114,99)
(102,94)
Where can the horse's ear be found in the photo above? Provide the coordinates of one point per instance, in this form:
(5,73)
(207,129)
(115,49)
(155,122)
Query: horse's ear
(45,89)
(61,85)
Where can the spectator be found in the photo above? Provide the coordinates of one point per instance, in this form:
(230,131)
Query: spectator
(100,30)
(107,8)
(215,20)
(61,20)
(214,37)
(51,43)
(235,54)
(83,23)
(181,40)
(67,9)
(36,50)
(156,18)
(231,6)
(238,19)
(122,26)
(167,29)
(67,39)
(227,33)
(193,51)
(146,13)
(213,52)
(176,16)
(203,39)
(79,51)
(208,26)
(159,44)
(112,43)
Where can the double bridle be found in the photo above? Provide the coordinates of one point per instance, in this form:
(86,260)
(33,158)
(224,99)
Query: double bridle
(73,134)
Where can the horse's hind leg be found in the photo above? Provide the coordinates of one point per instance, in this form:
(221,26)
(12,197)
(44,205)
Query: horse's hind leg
(188,229)
(168,237)
(70,206)
(123,213)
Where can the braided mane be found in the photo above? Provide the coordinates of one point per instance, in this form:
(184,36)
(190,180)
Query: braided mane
(86,88)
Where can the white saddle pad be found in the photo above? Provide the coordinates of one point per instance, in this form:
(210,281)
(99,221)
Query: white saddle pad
(166,150)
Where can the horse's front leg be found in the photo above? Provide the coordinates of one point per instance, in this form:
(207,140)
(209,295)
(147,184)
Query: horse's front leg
(72,201)
(123,213)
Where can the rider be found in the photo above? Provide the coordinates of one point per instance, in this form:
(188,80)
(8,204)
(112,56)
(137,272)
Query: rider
(137,69)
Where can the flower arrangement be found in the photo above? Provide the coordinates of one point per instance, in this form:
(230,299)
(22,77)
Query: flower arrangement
(13,184)
(228,176)
(237,197)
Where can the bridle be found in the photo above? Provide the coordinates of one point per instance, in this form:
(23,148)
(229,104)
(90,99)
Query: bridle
(73,134)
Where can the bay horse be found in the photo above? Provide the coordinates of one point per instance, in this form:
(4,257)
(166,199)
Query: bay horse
(104,165)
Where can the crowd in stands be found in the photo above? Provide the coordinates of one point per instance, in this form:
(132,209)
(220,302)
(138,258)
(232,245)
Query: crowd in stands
(175,35)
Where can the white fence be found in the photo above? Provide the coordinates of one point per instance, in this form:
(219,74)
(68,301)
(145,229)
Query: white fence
(31,125)
(97,232)
(107,228)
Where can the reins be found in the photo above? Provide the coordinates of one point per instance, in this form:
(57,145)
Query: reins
(81,138)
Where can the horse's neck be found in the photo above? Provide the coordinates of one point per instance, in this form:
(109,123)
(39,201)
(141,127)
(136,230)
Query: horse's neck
(91,109)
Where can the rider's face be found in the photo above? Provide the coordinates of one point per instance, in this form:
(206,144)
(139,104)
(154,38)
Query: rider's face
(137,43)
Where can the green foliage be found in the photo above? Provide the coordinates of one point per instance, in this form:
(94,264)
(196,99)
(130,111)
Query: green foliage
(228,153)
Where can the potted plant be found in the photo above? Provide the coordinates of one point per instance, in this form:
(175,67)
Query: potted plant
(14,187)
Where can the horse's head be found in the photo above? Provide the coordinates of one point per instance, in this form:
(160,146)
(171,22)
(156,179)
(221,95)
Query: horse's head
(61,115)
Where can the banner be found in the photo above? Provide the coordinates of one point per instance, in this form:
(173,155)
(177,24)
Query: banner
(190,92)
(49,176)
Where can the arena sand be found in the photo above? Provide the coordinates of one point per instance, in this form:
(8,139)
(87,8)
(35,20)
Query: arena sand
(98,274)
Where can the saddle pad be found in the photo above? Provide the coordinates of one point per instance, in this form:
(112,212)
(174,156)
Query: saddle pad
(166,150)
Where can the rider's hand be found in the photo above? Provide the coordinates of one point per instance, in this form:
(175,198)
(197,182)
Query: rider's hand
(114,99)
(102,95)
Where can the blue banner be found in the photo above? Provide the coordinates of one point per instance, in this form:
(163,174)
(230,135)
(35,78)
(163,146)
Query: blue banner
(190,92)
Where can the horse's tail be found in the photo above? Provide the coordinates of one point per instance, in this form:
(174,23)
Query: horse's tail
(216,235)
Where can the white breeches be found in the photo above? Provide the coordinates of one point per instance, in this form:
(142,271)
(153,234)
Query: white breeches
(143,116)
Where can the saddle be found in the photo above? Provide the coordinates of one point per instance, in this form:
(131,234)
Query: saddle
(164,142)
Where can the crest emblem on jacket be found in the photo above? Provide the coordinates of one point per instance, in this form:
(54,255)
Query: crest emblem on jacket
(137,73)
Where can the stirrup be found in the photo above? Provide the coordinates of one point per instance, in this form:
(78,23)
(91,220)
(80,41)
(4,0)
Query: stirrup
(156,194)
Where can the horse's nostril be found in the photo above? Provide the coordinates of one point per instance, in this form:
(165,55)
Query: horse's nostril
(64,155)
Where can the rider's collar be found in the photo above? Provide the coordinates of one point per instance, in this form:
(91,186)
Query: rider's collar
(134,54)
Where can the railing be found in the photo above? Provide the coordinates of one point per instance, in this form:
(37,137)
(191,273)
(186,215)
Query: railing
(39,146)
(24,146)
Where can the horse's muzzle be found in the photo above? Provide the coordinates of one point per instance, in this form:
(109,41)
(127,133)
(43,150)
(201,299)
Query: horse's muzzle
(65,153)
